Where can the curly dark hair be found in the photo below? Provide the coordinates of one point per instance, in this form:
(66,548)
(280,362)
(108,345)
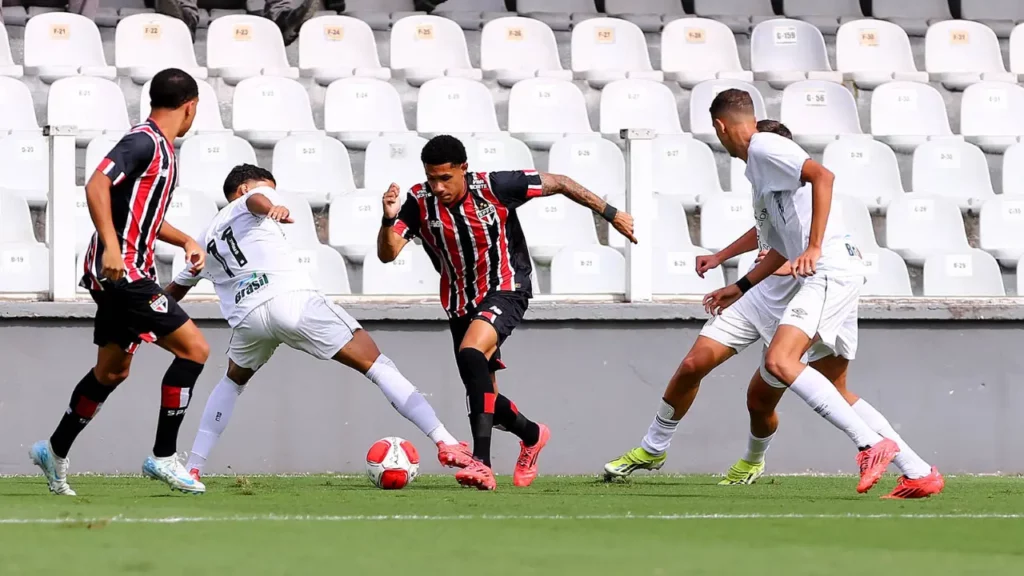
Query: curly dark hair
(775,127)
(245,173)
(443,149)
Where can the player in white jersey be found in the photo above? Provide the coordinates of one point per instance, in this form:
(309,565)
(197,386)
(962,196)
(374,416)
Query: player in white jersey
(268,300)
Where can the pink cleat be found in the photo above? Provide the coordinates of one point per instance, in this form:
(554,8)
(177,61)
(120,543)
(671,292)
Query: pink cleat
(526,465)
(874,461)
(909,488)
(454,455)
(476,474)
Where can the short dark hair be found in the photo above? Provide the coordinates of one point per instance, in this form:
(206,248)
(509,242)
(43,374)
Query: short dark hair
(775,127)
(171,89)
(244,173)
(732,101)
(443,149)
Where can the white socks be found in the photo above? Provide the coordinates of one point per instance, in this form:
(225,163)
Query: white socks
(408,400)
(912,465)
(659,435)
(756,447)
(214,421)
(822,396)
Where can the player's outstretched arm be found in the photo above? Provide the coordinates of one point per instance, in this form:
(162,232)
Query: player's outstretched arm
(821,180)
(193,252)
(389,241)
(722,298)
(742,245)
(573,190)
(259,205)
(177,291)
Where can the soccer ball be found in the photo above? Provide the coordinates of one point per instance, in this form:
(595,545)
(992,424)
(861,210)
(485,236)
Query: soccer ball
(392,463)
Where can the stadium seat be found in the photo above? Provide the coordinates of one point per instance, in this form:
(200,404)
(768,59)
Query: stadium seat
(17,112)
(914,17)
(969,272)
(205,160)
(313,166)
(918,226)
(455,105)
(609,49)
(906,114)
(357,110)
(825,15)
(857,220)
(145,44)
(558,14)
(379,14)
(638,104)
(700,105)
(594,162)
(992,115)
(514,49)
(885,274)
(302,232)
(819,112)
(588,270)
(670,228)
(25,166)
(7,65)
(393,158)
(497,152)
(541,111)
(61,44)
(265,109)
(1013,171)
(736,14)
(784,51)
(1017,51)
(428,47)
(15,220)
(188,211)
(999,15)
(97,149)
(865,169)
(954,169)
(24,268)
(207,113)
(554,222)
(411,274)
(724,218)
(334,47)
(84,227)
(959,53)
(675,273)
(94,105)
(685,169)
(353,223)
(697,49)
(241,46)
(738,178)
(873,52)
(326,268)
(1001,229)
(472,14)
(649,15)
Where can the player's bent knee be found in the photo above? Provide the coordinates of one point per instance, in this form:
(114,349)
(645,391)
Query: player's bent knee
(112,377)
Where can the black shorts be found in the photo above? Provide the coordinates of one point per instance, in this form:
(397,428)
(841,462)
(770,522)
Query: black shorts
(504,311)
(129,312)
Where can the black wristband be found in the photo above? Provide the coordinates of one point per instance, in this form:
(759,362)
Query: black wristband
(744,284)
(386,222)
(609,212)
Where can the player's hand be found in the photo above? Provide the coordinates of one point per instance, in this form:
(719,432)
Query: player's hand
(623,222)
(719,300)
(705,263)
(280,214)
(113,265)
(391,204)
(195,256)
(807,263)
(784,270)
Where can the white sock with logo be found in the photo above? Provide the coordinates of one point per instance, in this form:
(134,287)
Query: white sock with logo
(822,396)
(659,435)
(912,465)
(408,400)
(756,447)
(214,420)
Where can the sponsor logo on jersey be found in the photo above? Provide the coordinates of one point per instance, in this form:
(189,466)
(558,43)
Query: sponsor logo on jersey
(798,313)
(250,285)
(159,304)
(420,191)
(435,224)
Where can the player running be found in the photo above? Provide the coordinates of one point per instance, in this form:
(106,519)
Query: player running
(268,300)
(469,228)
(128,196)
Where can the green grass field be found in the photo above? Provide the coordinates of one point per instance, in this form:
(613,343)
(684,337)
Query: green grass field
(576,525)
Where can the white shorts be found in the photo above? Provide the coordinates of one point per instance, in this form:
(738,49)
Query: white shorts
(304,320)
(826,307)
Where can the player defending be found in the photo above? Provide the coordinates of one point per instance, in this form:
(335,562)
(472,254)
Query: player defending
(128,196)
(468,224)
(268,300)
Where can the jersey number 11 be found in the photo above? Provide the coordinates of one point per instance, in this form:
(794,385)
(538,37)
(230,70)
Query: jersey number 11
(229,238)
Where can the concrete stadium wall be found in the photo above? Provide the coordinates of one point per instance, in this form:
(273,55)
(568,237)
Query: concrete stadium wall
(593,372)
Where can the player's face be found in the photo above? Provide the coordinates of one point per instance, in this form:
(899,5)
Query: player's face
(190,115)
(446,181)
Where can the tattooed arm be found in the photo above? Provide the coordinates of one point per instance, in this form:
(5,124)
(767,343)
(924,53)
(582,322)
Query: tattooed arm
(557,184)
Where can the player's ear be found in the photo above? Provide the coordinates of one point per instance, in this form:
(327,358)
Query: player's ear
(465,167)
(719,125)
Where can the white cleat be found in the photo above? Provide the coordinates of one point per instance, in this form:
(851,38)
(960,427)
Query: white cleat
(55,469)
(170,471)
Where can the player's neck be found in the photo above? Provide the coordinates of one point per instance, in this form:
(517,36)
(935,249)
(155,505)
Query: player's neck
(165,124)
(744,135)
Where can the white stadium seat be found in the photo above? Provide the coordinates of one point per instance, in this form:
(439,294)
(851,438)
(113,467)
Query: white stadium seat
(588,270)
(411,274)
(966,273)
(379,14)
(885,274)
(671,230)
(697,49)
(205,160)
(241,46)
(594,162)
(266,109)
(207,113)
(959,53)
(554,222)
(1001,229)
(357,110)
(1017,51)
(736,14)
(1013,171)
(514,49)
(818,112)
(700,107)
(825,15)
(97,149)
(865,169)
(313,166)
(999,15)
(455,105)
(145,44)
(334,47)
(94,105)
(873,52)
(675,273)
(914,17)
(15,220)
(326,268)
(784,51)
(638,104)
(918,226)
(84,227)
(203,288)
(558,14)
(992,115)
(685,169)
(25,166)
(353,223)
(724,218)
(393,158)
(7,65)
(609,49)
(906,114)
(954,169)
(17,112)
(302,232)
(61,44)
(471,14)
(497,152)
(857,220)
(649,15)
(428,47)
(541,111)
(738,177)
(24,268)
(189,211)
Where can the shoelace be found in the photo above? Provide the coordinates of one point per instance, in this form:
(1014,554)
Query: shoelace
(525,457)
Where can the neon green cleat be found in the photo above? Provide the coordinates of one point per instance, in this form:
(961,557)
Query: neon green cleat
(743,472)
(635,459)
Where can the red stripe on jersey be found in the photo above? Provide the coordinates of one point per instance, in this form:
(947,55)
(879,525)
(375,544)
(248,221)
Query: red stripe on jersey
(158,220)
(508,277)
(482,242)
(533,191)
(132,233)
(451,241)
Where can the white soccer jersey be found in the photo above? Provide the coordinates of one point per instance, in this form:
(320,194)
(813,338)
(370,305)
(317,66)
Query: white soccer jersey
(248,258)
(774,292)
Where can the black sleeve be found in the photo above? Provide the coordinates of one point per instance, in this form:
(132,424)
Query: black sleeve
(408,224)
(515,188)
(129,158)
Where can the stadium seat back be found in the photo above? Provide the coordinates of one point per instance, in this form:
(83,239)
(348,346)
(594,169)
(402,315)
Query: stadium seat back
(639,104)
(270,103)
(411,274)
(542,105)
(326,268)
(1001,228)
(17,112)
(670,228)
(787,45)
(428,42)
(313,166)
(91,104)
(25,165)
(188,211)
(962,46)
(15,220)
(699,44)
(675,273)
(84,227)
(916,9)
(496,153)
(954,169)
(1013,170)
(153,40)
(885,274)
(1017,50)
(964,273)
(738,177)
(919,225)
(724,218)
(24,267)
(873,45)
(515,43)
(363,105)
(353,223)
(588,270)
(553,222)
(819,107)
(609,44)
(992,109)
(992,10)
(207,118)
(908,108)
(6,59)
(63,39)
(394,158)
(455,105)
(704,93)
(684,168)
(832,8)
(864,168)
(302,231)
(857,221)
(733,7)
(337,42)
(244,40)
(205,160)
(593,162)
(97,149)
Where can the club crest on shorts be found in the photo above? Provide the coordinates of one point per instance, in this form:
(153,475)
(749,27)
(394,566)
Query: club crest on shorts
(159,304)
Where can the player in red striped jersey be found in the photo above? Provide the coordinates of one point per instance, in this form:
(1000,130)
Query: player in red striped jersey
(469,228)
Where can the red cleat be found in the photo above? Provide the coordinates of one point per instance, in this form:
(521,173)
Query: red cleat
(454,455)
(909,488)
(873,463)
(476,474)
(526,465)
(194,473)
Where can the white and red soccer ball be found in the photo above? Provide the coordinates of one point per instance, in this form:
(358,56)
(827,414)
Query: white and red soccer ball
(392,463)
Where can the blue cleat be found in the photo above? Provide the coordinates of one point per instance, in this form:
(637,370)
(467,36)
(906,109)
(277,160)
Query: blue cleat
(55,469)
(170,471)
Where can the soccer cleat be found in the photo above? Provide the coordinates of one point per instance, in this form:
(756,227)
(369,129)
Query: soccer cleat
(54,468)
(526,465)
(194,473)
(873,462)
(909,488)
(476,474)
(635,459)
(454,455)
(170,471)
(743,472)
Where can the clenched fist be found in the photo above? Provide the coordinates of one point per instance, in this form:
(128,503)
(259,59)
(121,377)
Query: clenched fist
(391,203)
